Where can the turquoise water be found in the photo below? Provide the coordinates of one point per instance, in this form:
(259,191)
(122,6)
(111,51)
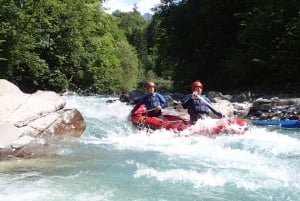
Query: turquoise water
(113,161)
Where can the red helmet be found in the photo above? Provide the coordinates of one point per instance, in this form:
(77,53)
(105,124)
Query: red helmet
(150,84)
(197,84)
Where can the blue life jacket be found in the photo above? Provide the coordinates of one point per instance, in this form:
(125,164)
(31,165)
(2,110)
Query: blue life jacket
(195,106)
(151,101)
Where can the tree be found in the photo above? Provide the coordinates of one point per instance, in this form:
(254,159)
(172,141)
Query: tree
(268,45)
(193,37)
(242,41)
(135,29)
(60,44)
(131,73)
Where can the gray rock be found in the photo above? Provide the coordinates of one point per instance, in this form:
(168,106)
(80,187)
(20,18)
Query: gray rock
(25,119)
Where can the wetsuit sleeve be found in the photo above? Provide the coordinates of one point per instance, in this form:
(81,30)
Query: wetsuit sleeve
(187,101)
(141,101)
(162,100)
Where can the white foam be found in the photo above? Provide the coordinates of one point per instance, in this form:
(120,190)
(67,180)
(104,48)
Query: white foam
(258,159)
(175,175)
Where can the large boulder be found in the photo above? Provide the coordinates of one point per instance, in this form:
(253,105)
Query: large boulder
(26,120)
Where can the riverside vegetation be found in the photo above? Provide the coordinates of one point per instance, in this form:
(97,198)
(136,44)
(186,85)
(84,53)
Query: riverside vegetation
(74,44)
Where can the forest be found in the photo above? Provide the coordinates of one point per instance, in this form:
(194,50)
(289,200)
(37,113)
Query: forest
(75,45)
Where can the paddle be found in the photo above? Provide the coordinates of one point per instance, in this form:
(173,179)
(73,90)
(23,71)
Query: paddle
(145,111)
(239,122)
(215,110)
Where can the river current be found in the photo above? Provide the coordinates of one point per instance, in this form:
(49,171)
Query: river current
(113,161)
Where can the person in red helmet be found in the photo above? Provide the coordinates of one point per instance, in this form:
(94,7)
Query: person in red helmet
(198,107)
(153,101)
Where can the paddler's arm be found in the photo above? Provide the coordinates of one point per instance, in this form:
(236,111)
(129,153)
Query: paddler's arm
(187,101)
(162,100)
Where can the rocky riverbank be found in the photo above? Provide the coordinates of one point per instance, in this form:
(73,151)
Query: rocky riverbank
(29,121)
(243,105)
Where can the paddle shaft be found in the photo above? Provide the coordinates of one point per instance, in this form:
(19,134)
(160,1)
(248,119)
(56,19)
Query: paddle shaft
(146,111)
(215,110)
(151,110)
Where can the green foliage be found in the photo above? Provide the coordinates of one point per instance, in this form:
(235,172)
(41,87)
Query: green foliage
(130,66)
(57,44)
(106,69)
(131,22)
(135,29)
(160,83)
(74,44)
(1,58)
(58,81)
(242,41)
(271,38)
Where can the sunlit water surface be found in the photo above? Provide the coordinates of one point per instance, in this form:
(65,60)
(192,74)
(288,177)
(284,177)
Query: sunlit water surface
(113,161)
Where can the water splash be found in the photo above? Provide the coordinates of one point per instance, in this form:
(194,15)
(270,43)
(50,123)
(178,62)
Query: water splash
(112,158)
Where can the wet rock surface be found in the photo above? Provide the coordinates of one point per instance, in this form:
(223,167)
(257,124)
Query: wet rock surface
(28,121)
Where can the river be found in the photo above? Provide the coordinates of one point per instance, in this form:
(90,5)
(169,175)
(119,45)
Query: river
(113,161)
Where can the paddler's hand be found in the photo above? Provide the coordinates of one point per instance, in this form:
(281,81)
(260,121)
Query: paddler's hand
(194,95)
(158,107)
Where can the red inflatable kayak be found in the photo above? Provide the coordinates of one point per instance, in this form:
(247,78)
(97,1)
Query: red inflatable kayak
(177,123)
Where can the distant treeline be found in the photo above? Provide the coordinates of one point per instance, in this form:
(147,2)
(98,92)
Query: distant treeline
(227,44)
